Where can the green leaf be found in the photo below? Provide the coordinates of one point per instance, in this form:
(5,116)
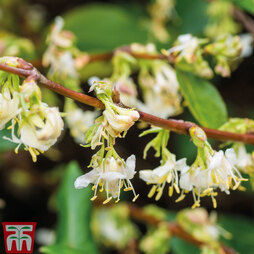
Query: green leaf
(60,248)
(203,100)
(179,246)
(242,230)
(5,144)
(189,18)
(103,27)
(73,233)
(247,5)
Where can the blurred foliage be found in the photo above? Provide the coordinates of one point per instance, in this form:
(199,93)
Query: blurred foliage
(242,230)
(247,5)
(101,27)
(4,144)
(73,231)
(105,26)
(112,227)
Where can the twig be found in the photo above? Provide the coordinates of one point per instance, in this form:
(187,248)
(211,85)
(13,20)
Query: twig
(247,21)
(26,70)
(175,229)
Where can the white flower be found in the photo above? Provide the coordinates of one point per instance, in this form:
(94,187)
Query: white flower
(161,105)
(9,106)
(38,133)
(111,175)
(247,47)
(128,91)
(165,80)
(43,137)
(244,159)
(220,173)
(160,90)
(187,45)
(79,122)
(167,173)
(60,60)
(119,119)
(58,37)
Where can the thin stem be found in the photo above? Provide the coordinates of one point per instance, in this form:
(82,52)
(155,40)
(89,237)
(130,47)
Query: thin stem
(246,20)
(175,229)
(178,126)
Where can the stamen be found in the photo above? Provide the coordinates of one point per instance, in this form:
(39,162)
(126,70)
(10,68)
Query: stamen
(177,188)
(93,198)
(207,191)
(236,185)
(127,189)
(196,204)
(170,191)
(159,194)
(107,200)
(214,202)
(163,179)
(33,154)
(152,191)
(241,188)
(135,198)
(180,198)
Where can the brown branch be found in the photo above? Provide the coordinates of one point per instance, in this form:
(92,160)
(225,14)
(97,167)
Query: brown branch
(175,229)
(26,70)
(247,21)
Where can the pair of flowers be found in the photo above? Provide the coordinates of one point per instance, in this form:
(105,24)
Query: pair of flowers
(39,125)
(220,173)
(112,174)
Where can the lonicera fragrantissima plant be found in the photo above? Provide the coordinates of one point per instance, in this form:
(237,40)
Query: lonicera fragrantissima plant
(144,84)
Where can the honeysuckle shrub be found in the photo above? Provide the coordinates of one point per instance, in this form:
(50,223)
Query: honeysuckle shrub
(165,59)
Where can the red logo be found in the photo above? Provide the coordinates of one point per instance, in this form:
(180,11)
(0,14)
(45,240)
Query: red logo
(19,236)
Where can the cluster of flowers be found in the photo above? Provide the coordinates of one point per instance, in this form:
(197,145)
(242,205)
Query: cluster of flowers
(59,56)
(119,230)
(110,171)
(160,90)
(211,171)
(189,54)
(157,80)
(39,125)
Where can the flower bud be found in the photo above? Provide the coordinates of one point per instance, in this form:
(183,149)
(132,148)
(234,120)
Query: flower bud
(8,107)
(198,136)
(42,137)
(30,89)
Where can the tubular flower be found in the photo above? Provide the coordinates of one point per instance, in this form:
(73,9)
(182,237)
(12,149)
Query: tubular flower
(166,173)
(115,119)
(119,119)
(244,160)
(9,106)
(160,89)
(38,133)
(111,175)
(188,55)
(79,122)
(186,47)
(218,173)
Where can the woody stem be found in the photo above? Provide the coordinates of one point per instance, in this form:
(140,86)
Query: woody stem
(26,70)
